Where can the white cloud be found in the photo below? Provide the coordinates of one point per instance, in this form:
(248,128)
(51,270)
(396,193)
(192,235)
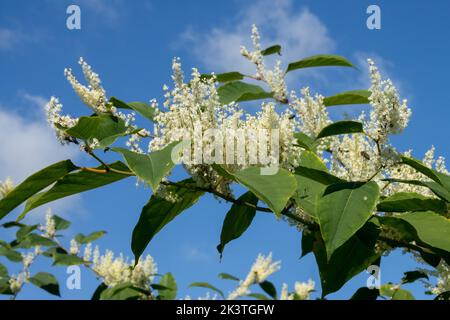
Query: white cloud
(28,145)
(194,254)
(108,9)
(9,38)
(38,101)
(12,38)
(299,32)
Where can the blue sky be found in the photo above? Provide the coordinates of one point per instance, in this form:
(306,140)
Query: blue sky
(131,45)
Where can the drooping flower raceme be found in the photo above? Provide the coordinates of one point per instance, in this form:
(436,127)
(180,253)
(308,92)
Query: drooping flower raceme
(389,115)
(370,155)
(273,78)
(50,225)
(6,187)
(311,111)
(116,270)
(59,122)
(405,172)
(93,95)
(302,291)
(195,112)
(261,269)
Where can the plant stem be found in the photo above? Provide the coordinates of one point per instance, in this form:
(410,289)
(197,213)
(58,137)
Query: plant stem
(285,211)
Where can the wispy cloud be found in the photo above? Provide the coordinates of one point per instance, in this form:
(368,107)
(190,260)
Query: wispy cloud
(28,145)
(195,254)
(299,32)
(9,38)
(108,9)
(13,38)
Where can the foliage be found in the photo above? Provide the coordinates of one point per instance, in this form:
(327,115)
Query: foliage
(353,197)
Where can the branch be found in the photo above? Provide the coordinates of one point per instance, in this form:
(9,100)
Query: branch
(285,212)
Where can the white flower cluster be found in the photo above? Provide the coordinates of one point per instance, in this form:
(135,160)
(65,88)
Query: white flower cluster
(389,115)
(16,282)
(194,109)
(260,271)
(274,78)
(6,187)
(442,273)
(354,158)
(405,172)
(50,226)
(59,122)
(302,291)
(115,270)
(311,111)
(360,157)
(93,95)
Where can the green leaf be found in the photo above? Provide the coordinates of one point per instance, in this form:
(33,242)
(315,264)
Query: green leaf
(5,287)
(312,179)
(431,258)
(411,276)
(310,160)
(123,291)
(3,272)
(105,128)
(308,239)
(50,252)
(34,184)
(305,141)
(269,288)
(317,175)
(395,293)
(225,77)
(12,224)
(443,296)
(227,276)
(158,212)
(237,220)
(275,190)
(240,91)
(33,240)
(365,293)
(349,97)
(168,281)
(271,50)
(156,286)
(401,227)
(321,60)
(82,239)
(11,255)
(353,257)
(60,259)
(152,168)
(208,286)
(431,228)
(75,183)
(258,296)
(410,201)
(142,108)
(25,230)
(47,282)
(437,189)
(416,164)
(341,127)
(343,210)
(97,293)
(60,223)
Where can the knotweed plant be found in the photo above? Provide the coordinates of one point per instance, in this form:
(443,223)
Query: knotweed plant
(341,183)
